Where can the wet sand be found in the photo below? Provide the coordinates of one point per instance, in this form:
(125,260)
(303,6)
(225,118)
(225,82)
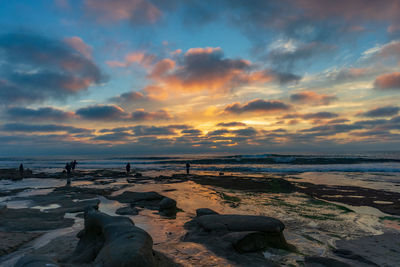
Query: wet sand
(316,227)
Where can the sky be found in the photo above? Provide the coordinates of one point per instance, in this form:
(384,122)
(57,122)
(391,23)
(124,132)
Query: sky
(192,77)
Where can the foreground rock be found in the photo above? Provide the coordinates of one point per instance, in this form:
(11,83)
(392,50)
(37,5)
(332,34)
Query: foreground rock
(115,241)
(10,241)
(32,220)
(250,184)
(385,201)
(149,200)
(227,234)
(70,199)
(313,261)
(36,261)
(374,250)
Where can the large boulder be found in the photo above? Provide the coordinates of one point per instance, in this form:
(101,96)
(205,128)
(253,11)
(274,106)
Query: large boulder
(114,241)
(244,233)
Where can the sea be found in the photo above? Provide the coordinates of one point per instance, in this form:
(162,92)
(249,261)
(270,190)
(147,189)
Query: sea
(378,170)
(260,163)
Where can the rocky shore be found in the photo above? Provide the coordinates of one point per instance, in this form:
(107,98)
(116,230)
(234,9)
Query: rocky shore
(106,218)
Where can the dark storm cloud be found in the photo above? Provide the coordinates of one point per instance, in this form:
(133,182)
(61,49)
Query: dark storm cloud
(21,127)
(382,112)
(45,113)
(257,105)
(35,68)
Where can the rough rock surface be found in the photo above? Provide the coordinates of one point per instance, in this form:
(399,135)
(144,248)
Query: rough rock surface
(314,261)
(240,223)
(11,241)
(115,241)
(148,200)
(251,184)
(205,211)
(226,235)
(127,211)
(32,220)
(375,250)
(36,261)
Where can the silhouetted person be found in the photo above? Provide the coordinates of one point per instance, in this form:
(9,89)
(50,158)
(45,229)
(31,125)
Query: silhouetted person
(68,168)
(128,168)
(74,163)
(21,171)
(187,168)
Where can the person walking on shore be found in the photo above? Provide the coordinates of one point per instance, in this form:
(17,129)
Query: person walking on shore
(187,168)
(128,168)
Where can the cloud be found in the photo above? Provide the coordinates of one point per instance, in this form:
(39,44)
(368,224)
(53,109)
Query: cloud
(231,124)
(137,12)
(141,58)
(286,58)
(162,67)
(79,45)
(120,136)
(208,69)
(382,112)
(320,115)
(21,127)
(45,113)
(36,68)
(257,105)
(140,115)
(141,130)
(388,81)
(312,98)
(102,112)
(116,113)
(350,74)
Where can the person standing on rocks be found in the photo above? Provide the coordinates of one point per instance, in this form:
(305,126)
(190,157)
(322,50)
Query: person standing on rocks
(21,171)
(128,168)
(187,167)
(74,163)
(68,168)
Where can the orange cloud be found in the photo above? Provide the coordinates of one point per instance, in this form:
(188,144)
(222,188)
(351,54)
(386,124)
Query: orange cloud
(308,97)
(388,81)
(135,11)
(79,45)
(207,69)
(140,58)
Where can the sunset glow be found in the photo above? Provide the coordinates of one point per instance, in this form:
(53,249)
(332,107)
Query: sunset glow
(149,76)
